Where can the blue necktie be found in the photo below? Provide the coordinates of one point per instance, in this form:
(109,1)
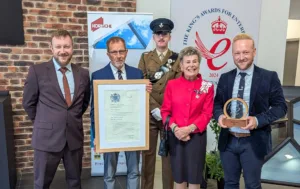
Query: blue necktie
(120,75)
(239,110)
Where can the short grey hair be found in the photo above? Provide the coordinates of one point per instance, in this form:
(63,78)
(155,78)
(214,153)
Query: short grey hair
(189,51)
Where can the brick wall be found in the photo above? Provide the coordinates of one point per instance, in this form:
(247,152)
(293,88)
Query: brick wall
(41,17)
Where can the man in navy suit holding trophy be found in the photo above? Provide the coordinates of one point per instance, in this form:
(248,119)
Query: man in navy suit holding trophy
(244,148)
(118,70)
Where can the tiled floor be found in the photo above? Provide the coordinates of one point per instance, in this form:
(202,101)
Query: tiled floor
(88,182)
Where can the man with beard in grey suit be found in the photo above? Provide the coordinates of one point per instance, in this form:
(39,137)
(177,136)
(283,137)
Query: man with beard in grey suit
(56,94)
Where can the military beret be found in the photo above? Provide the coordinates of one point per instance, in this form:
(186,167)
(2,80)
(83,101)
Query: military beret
(161,25)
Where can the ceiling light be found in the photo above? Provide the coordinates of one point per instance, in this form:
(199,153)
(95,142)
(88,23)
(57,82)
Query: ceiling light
(288,156)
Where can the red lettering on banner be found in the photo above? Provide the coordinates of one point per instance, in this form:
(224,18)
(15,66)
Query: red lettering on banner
(99,23)
(211,54)
(213,75)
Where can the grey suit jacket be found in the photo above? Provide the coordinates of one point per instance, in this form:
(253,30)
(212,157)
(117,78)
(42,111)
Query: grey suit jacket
(54,122)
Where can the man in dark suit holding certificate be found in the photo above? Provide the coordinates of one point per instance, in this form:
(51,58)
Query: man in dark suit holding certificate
(118,70)
(244,148)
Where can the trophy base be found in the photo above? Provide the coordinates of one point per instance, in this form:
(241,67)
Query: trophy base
(235,122)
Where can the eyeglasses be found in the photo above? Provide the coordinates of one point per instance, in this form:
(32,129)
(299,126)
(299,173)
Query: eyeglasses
(121,52)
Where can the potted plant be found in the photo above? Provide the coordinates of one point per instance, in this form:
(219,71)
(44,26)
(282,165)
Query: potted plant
(213,160)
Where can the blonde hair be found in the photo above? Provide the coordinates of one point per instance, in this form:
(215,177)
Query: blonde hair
(243,36)
(189,51)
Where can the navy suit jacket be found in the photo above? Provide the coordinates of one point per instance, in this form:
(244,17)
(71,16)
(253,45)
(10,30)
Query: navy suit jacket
(267,104)
(107,73)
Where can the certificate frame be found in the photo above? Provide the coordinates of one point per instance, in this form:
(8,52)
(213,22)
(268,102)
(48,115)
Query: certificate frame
(101,87)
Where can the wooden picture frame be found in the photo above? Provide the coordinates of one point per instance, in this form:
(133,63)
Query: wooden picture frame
(121,109)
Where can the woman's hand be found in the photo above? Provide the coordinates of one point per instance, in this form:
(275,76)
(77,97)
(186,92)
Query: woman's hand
(182,132)
(187,138)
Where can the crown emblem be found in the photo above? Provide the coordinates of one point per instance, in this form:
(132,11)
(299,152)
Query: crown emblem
(161,25)
(219,26)
(115,97)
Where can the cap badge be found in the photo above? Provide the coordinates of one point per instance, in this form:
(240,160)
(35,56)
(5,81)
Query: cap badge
(161,25)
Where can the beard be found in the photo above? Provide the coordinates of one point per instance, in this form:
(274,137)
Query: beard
(61,59)
(244,65)
(118,64)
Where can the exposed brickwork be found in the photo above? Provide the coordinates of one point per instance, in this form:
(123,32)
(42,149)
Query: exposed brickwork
(41,17)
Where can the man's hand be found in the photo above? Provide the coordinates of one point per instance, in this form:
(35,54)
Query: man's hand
(252,124)
(94,146)
(221,121)
(156,114)
(149,87)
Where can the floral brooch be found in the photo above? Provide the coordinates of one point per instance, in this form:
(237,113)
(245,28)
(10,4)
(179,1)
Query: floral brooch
(205,85)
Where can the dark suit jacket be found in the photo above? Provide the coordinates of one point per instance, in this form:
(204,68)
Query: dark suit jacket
(267,104)
(54,122)
(107,73)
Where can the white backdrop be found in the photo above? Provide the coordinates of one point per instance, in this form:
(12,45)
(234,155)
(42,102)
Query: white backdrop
(210,27)
(272,30)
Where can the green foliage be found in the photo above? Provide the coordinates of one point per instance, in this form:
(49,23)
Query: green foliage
(213,160)
(213,124)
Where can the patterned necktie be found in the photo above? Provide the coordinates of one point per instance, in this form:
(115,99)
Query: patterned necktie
(120,75)
(161,56)
(240,95)
(63,70)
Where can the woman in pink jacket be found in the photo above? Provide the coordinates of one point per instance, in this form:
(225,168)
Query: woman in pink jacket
(188,100)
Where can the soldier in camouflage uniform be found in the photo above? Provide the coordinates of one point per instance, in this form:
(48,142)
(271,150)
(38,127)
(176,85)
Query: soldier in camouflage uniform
(159,66)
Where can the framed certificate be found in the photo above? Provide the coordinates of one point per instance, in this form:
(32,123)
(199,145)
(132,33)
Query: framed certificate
(121,115)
